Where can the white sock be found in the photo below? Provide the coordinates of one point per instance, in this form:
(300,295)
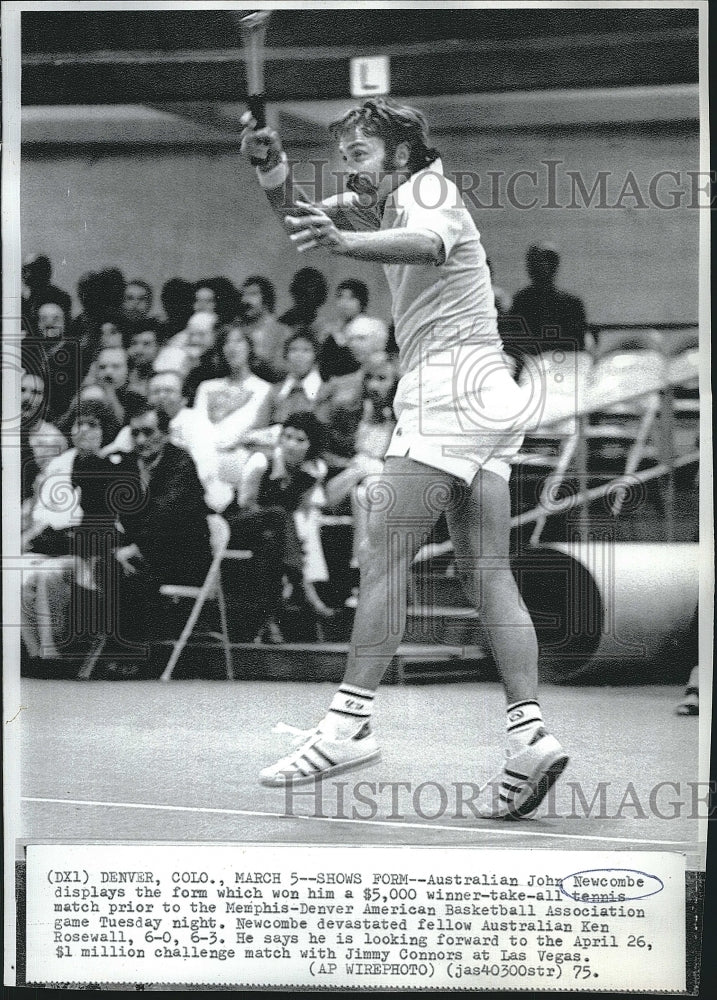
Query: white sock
(524,720)
(350,709)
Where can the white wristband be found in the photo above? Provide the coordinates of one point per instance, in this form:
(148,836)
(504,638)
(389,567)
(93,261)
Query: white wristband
(276,176)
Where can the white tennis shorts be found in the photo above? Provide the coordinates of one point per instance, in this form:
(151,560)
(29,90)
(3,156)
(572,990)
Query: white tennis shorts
(460,411)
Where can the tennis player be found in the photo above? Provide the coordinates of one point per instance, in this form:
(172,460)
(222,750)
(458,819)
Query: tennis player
(459,418)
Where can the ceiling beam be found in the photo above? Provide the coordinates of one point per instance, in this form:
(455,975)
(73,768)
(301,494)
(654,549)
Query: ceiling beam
(418,68)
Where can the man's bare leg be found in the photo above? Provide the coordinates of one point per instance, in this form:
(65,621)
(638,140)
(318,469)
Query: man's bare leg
(403,504)
(480,529)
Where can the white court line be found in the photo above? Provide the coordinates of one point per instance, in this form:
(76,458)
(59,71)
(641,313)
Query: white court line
(505,829)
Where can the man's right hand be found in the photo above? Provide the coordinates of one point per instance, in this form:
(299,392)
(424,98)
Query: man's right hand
(260,146)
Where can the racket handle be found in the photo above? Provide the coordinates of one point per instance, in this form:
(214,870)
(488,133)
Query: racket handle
(257,106)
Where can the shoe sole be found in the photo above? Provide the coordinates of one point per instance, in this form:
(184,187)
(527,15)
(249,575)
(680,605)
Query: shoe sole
(280,780)
(546,781)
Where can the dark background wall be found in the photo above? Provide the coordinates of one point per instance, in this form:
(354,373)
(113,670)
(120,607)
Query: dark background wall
(164,212)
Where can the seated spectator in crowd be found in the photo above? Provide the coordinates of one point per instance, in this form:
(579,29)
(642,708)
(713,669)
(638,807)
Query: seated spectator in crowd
(299,390)
(110,336)
(55,358)
(101,294)
(141,355)
(183,351)
(70,490)
(233,406)
(542,318)
(297,393)
(339,405)
(40,441)
(218,295)
(335,357)
(38,288)
(71,515)
(373,433)
(279,497)
(205,358)
(188,429)
(177,298)
(110,371)
(308,290)
(266,334)
(44,439)
(136,307)
(165,532)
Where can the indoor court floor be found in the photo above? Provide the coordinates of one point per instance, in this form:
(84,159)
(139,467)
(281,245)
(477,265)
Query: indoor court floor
(145,761)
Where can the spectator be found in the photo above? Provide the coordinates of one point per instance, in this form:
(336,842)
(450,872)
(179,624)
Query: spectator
(308,291)
(110,370)
(543,319)
(43,438)
(188,430)
(266,334)
(277,496)
(299,390)
(217,295)
(141,355)
(136,306)
(54,357)
(165,530)
(339,405)
(70,490)
(37,289)
(100,294)
(235,405)
(335,357)
(185,351)
(110,336)
(177,297)
(72,515)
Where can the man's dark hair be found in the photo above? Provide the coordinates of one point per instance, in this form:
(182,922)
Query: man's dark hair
(37,270)
(177,296)
(268,292)
(306,421)
(139,406)
(101,292)
(309,285)
(394,124)
(358,289)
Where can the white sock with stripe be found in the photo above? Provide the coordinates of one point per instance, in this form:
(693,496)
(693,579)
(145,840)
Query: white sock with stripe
(524,721)
(350,709)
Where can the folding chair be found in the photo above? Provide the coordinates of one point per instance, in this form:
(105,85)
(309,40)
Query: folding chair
(558,386)
(210,589)
(627,384)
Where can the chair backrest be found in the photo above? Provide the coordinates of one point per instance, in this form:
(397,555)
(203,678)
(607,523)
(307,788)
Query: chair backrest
(618,378)
(219,533)
(622,341)
(679,341)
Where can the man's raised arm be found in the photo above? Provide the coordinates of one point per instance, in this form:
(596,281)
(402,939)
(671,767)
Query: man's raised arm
(263,147)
